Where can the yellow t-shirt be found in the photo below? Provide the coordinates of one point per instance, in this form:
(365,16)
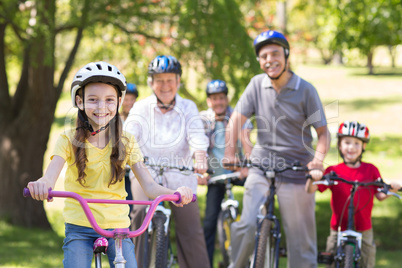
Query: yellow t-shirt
(98,173)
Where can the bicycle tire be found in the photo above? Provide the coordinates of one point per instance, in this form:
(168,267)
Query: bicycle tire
(349,256)
(149,248)
(156,244)
(266,253)
(224,221)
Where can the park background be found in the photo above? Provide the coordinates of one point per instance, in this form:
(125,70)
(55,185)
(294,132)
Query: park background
(349,50)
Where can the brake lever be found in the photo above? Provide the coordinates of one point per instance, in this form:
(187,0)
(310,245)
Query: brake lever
(385,191)
(325,182)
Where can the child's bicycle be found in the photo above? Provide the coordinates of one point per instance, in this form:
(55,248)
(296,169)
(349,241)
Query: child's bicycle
(268,234)
(158,251)
(118,234)
(349,242)
(228,214)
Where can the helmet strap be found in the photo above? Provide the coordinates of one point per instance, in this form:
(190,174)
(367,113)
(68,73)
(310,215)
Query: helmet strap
(163,106)
(284,69)
(359,159)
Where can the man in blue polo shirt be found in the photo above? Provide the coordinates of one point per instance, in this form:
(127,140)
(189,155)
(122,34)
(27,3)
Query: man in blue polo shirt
(285,107)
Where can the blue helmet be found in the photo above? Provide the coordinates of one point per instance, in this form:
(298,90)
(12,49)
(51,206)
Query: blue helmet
(216,86)
(271,37)
(164,64)
(132,89)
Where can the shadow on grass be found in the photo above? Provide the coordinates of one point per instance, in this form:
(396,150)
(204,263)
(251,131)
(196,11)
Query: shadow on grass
(369,104)
(30,247)
(379,72)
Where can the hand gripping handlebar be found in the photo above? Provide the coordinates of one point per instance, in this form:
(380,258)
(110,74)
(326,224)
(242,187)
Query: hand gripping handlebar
(176,197)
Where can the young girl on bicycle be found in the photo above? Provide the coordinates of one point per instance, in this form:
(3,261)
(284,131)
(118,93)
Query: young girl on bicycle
(96,153)
(352,140)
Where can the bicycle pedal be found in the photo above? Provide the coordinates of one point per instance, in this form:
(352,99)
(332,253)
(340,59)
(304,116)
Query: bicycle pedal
(325,257)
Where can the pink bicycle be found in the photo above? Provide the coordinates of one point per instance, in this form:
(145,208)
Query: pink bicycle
(117,234)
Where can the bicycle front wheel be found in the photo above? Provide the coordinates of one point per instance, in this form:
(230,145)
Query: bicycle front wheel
(224,221)
(156,249)
(267,252)
(349,256)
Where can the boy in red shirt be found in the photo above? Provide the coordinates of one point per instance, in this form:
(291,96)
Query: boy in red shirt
(352,140)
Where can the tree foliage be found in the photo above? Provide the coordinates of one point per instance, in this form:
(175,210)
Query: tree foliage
(42,41)
(345,24)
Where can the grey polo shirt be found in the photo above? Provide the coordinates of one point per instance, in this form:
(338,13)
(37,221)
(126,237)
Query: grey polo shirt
(283,121)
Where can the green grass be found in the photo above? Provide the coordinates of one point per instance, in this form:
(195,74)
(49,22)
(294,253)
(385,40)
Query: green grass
(43,248)
(24,247)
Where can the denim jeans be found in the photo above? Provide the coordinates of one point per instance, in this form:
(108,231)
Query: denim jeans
(78,248)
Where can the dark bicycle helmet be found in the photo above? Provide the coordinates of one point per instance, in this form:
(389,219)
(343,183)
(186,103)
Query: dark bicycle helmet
(164,64)
(132,89)
(354,129)
(98,72)
(216,86)
(271,37)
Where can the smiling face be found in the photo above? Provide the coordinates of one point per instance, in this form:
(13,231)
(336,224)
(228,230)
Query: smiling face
(351,148)
(100,103)
(218,103)
(272,59)
(165,86)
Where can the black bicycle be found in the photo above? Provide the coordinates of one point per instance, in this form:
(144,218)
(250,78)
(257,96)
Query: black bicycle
(349,242)
(158,250)
(268,235)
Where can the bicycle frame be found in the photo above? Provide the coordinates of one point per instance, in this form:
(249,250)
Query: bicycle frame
(228,214)
(267,212)
(349,236)
(117,234)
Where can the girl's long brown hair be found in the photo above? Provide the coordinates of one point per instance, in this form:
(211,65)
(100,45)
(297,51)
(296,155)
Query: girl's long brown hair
(116,157)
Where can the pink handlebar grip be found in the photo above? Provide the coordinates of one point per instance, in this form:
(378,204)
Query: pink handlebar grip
(179,200)
(26,193)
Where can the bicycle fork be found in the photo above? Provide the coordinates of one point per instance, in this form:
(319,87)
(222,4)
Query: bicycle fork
(348,237)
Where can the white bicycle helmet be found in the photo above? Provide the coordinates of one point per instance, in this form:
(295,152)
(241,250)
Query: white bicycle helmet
(101,72)
(354,129)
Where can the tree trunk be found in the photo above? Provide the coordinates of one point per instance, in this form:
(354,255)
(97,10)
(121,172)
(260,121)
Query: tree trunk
(25,125)
(337,58)
(23,143)
(281,13)
(392,53)
(370,63)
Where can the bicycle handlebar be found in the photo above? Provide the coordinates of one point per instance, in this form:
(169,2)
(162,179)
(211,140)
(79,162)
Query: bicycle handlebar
(180,168)
(176,197)
(295,166)
(223,177)
(332,179)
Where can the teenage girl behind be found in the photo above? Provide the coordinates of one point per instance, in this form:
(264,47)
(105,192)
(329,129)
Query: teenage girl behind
(96,153)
